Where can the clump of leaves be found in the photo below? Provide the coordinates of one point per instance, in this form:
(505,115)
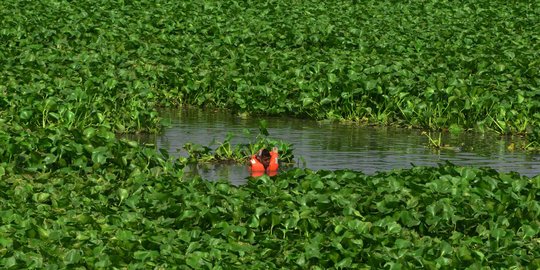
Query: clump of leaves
(240,153)
(263,140)
(534,140)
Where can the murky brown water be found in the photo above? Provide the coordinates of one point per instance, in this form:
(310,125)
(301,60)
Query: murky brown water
(331,146)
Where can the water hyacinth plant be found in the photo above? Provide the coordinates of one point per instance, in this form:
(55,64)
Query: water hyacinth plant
(76,73)
(441,217)
(240,153)
(430,65)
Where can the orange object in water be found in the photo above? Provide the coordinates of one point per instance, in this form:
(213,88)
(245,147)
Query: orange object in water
(274,165)
(258,168)
(256,165)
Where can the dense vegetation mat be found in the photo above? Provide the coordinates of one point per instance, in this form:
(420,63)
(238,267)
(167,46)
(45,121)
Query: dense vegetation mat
(445,217)
(471,64)
(74,73)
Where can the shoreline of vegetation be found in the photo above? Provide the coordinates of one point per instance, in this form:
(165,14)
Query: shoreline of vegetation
(434,65)
(75,73)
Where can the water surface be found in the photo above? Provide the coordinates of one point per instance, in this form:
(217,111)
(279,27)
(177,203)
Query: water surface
(332,146)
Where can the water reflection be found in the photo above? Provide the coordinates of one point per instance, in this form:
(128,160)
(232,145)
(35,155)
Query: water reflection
(331,146)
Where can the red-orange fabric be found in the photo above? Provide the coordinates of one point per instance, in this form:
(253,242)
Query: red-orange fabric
(274,165)
(256,165)
(257,168)
(258,173)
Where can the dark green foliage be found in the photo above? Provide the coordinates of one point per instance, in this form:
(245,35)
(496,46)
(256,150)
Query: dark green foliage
(431,64)
(74,73)
(445,217)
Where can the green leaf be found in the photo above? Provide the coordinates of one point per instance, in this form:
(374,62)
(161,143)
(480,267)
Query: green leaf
(72,256)
(332,78)
(6,242)
(99,157)
(9,262)
(122,194)
(345,263)
(402,243)
(307,101)
(145,255)
(89,132)
(393,227)
(468,173)
(370,85)
(125,235)
(26,114)
(409,218)
(41,197)
(195,259)
(254,222)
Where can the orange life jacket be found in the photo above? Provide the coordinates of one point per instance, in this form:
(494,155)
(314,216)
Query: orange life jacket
(257,168)
(256,165)
(274,165)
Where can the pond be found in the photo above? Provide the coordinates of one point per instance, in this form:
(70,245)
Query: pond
(332,146)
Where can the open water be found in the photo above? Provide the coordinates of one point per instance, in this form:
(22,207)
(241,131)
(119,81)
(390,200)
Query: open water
(331,146)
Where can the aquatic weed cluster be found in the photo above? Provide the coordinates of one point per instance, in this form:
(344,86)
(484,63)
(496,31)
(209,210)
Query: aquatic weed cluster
(429,218)
(240,153)
(75,73)
(427,64)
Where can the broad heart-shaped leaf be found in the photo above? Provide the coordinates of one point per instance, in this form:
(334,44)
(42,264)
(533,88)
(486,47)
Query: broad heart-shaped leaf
(8,262)
(468,173)
(144,255)
(125,235)
(6,242)
(100,155)
(72,256)
(26,114)
(41,197)
(393,227)
(332,78)
(359,226)
(529,231)
(196,259)
(370,85)
(89,132)
(402,243)
(306,101)
(123,193)
(347,175)
(344,264)
(409,218)
(498,233)
(254,222)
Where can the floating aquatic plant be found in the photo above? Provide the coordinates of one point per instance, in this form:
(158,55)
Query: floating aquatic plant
(76,73)
(227,152)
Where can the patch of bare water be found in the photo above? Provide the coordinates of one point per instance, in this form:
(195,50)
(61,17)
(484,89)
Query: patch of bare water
(333,146)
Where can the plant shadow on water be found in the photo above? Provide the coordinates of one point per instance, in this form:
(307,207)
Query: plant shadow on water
(334,146)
